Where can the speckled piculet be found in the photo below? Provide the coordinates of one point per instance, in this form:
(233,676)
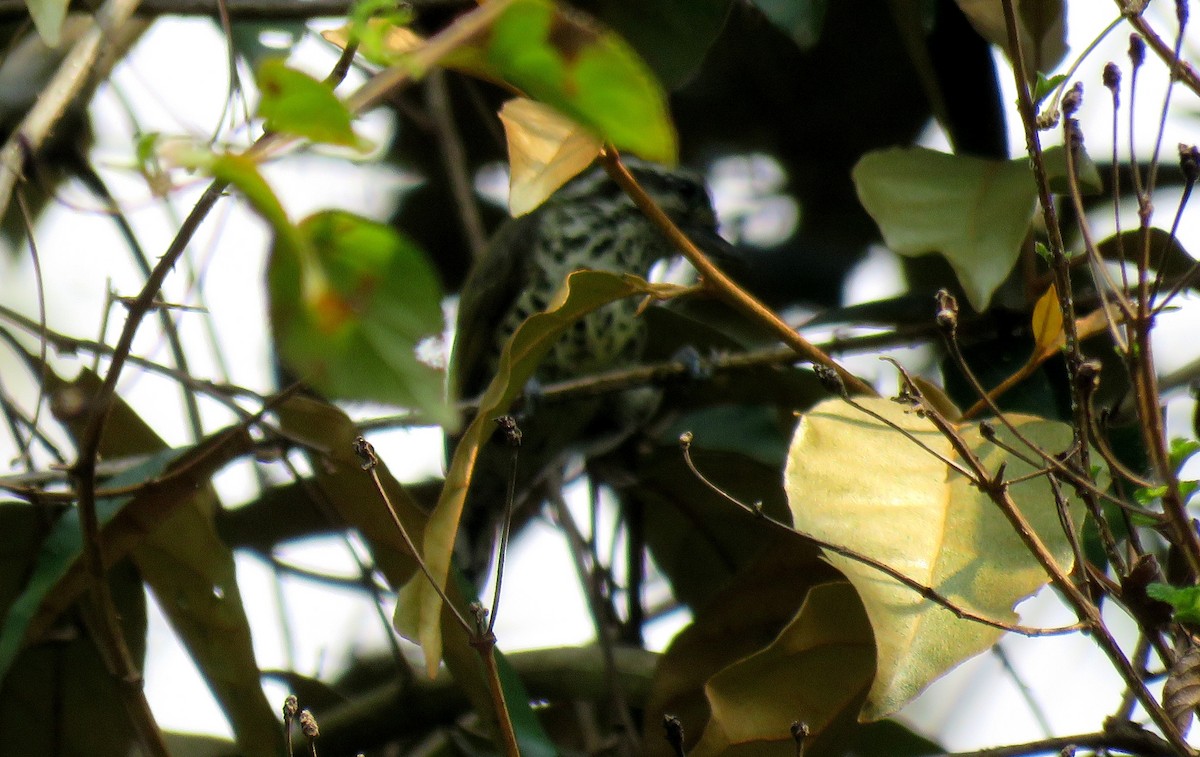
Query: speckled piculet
(588,223)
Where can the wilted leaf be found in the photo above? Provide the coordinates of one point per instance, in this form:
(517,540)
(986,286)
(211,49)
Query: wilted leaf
(1181,692)
(972,211)
(545,151)
(739,620)
(418,610)
(816,671)
(292,102)
(855,481)
(352,310)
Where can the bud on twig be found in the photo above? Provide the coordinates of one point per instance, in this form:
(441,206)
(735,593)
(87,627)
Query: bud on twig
(1112,78)
(1073,99)
(1137,50)
(947,311)
(510,429)
(1189,162)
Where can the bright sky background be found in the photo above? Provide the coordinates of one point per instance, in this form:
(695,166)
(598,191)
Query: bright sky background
(974,706)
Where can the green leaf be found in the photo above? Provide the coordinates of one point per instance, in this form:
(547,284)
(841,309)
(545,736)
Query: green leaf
(905,507)
(48,17)
(799,19)
(57,696)
(566,60)
(292,102)
(972,211)
(170,532)
(1090,183)
(673,36)
(1045,86)
(351,307)
(1180,451)
(1185,601)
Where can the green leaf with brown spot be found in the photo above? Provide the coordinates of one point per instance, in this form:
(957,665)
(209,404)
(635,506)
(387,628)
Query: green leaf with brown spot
(353,307)
(292,102)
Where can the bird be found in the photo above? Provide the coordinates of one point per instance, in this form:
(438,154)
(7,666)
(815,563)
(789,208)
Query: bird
(589,223)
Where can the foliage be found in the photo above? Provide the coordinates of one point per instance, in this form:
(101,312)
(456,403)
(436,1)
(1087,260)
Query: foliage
(833,566)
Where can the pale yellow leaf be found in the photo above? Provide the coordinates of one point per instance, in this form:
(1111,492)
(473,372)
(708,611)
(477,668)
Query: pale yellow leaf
(545,150)
(858,482)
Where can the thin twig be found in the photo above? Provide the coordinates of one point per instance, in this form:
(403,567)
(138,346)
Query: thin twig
(723,286)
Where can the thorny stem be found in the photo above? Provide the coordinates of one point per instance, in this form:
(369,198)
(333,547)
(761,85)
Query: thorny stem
(721,284)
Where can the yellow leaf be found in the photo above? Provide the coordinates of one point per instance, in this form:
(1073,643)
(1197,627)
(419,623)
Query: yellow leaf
(1047,324)
(545,150)
(858,482)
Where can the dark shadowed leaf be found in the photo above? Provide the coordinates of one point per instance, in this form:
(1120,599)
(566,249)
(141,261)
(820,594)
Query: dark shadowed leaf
(169,531)
(739,620)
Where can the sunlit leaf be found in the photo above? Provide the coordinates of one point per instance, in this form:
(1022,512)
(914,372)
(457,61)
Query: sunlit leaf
(972,211)
(558,56)
(418,610)
(1047,324)
(545,151)
(1185,601)
(292,102)
(858,482)
(48,17)
(354,310)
